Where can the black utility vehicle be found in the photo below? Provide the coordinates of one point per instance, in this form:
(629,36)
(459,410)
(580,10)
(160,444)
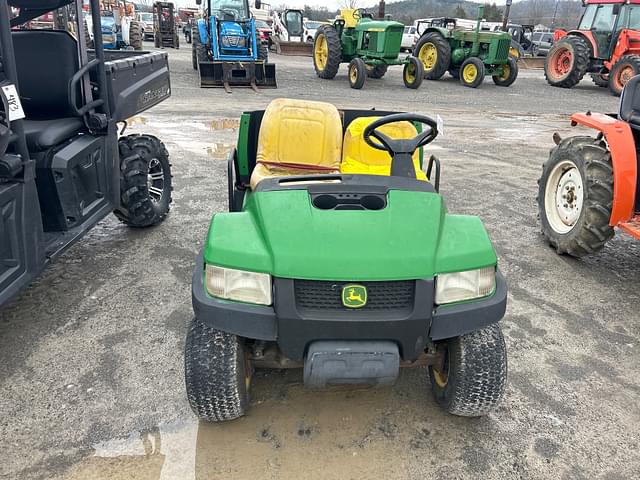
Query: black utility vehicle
(63,165)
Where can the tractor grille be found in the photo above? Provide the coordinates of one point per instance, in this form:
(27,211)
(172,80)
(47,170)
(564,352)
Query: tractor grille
(502,52)
(394,296)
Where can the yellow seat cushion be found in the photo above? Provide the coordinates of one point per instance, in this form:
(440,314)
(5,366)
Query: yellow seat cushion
(298,137)
(358,157)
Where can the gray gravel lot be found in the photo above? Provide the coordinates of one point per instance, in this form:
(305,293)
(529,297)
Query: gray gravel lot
(91,353)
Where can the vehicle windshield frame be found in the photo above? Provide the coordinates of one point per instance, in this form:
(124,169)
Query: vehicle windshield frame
(241,7)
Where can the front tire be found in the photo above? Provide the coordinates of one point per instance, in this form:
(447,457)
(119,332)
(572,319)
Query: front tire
(135,35)
(217,373)
(567,62)
(622,71)
(377,71)
(509,73)
(474,374)
(327,52)
(145,181)
(575,196)
(357,73)
(413,73)
(472,72)
(434,52)
(600,79)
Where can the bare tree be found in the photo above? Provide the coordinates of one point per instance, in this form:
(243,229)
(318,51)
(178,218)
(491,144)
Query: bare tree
(350,3)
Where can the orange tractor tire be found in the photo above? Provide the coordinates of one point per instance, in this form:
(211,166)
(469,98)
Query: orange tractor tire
(567,61)
(622,71)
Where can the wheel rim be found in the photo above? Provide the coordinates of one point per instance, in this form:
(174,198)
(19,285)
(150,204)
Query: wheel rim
(353,73)
(410,73)
(561,62)
(442,377)
(564,197)
(514,52)
(470,73)
(155,180)
(428,55)
(321,51)
(506,72)
(625,73)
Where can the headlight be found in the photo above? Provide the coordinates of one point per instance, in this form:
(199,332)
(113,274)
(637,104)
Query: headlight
(460,286)
(250,287)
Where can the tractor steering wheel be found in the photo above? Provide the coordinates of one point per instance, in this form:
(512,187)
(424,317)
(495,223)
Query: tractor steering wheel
(401,150)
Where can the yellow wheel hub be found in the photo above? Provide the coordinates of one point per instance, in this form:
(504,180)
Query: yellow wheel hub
(428,55)
(442,377)
(410,74)
(514,52)
(353,74)
(506,71)
(470,73)
(321,52)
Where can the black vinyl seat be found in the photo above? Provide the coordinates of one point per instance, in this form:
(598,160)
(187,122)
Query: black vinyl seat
(47,61)
(629,109)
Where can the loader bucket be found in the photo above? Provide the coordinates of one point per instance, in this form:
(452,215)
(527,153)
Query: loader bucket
(303,49)
(237,74)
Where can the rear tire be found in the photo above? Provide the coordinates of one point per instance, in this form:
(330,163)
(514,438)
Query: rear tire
(327,52)
(217,373)
(474,374)
(601,80)
(377,72)
(145,181)
(509,73)
(622,71)
(135,35)
(434,52)
(582,167)
(357,73)
(263,52)
(567,62)
(472,72)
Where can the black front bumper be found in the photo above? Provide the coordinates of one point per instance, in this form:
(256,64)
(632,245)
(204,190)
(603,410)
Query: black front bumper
(294,331)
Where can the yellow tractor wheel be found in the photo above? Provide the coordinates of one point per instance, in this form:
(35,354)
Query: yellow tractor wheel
(472,72)
(327,52)
(434,51)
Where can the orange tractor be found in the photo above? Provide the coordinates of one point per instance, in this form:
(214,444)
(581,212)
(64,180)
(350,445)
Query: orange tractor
(590,185)
(606,45)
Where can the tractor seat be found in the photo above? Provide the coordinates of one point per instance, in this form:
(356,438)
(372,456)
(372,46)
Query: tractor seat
(629,109)
(298,137)
(360,158)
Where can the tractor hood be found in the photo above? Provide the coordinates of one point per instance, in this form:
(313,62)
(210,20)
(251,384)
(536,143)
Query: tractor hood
(282,233)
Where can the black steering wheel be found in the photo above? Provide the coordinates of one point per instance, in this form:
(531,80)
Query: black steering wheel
(401,150)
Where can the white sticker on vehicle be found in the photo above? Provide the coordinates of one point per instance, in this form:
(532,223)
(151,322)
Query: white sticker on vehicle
(440,123)
(15,107)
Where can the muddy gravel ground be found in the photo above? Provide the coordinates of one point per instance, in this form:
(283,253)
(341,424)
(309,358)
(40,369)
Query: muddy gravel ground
(92,353)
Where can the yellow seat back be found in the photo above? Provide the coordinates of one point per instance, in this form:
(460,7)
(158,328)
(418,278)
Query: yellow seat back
(298,137)
(360,158)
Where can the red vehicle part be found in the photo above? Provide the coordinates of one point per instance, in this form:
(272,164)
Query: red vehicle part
(623,159)
(628,44)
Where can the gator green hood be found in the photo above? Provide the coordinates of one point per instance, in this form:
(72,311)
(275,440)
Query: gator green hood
(282,233)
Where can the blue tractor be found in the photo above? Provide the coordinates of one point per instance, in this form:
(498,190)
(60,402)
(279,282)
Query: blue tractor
(227,50)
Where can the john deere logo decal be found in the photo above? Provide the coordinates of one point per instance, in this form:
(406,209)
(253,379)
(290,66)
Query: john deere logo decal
(354,296)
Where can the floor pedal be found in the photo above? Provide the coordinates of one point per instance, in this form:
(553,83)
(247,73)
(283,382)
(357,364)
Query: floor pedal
(632,227)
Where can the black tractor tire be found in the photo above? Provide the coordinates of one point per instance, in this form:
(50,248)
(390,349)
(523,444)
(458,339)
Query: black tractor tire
(145,181)
(263,52)
(455,73)
(216,372)
(135,35)
(591,230)
(479,77)
(622,71)
(413,73)
(187,37)
(156,40)
(377,71)
(474,374)
(177,42)
(357,73)
(443,55)
(577,54)
(87,38)
(334,55)
(600,79)
(509,74)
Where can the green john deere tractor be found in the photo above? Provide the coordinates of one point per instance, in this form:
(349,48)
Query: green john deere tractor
(468,55)
(343,262)
(369,46)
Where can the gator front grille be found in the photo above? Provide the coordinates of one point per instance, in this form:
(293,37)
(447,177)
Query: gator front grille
(381,296)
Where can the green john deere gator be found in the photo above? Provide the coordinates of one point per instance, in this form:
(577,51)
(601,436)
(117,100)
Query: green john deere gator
(467,55)
(369,47)
(340,258)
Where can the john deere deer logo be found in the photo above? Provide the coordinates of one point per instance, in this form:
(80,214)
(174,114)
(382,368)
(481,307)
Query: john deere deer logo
(354,296)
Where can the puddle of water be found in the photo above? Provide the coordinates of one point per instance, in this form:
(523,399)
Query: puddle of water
(219,150)
(225,124)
